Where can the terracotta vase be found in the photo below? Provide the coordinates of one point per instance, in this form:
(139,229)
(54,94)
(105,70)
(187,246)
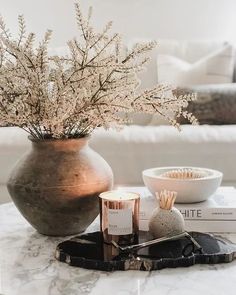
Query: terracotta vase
(56,185)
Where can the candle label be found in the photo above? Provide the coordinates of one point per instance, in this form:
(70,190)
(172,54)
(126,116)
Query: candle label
(120,222)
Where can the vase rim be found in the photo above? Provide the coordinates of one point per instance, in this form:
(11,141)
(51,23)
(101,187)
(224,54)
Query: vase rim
(38,140)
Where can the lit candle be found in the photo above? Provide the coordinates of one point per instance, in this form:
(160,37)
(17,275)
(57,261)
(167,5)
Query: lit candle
(119,216)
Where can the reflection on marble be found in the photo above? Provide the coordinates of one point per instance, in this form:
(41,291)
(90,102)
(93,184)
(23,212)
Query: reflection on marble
(28,266)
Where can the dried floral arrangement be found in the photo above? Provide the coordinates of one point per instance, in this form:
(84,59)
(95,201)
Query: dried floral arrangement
(69,96)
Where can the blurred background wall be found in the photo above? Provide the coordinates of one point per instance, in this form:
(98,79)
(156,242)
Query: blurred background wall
(159,19)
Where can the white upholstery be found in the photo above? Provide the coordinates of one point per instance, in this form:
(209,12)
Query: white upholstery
(214,68)
(13,144)
(137,147)
(190,51)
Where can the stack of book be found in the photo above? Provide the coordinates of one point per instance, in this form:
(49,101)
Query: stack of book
(217,214)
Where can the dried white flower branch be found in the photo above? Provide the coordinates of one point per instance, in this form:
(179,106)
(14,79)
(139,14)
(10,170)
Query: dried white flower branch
(69,96)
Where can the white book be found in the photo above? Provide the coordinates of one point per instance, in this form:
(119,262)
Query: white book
(201,226)
(217,214)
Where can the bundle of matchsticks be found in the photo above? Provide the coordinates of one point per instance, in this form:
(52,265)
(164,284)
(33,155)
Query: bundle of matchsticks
(185,173)
(166,199)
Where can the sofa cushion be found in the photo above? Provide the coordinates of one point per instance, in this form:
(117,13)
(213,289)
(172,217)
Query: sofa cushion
(216,67)
(190,51)
(216,104)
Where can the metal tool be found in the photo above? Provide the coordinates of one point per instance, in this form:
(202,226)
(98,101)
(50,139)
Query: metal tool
(156,241)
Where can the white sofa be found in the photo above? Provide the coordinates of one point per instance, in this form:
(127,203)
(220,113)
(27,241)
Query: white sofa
(138,147)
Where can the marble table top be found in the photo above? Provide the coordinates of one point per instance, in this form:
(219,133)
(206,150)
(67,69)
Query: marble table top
(28,266)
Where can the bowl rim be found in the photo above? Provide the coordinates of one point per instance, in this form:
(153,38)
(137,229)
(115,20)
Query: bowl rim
(149,173)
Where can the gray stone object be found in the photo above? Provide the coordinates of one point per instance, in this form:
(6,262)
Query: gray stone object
(166,222)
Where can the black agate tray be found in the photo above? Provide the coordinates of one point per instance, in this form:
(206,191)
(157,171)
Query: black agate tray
(89,251)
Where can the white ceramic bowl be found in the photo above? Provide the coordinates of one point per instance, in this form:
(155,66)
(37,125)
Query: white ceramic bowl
(188,190)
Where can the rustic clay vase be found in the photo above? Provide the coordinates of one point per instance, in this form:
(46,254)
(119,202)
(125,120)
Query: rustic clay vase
(56,185)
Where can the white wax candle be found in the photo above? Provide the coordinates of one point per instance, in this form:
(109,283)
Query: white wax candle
(118,196)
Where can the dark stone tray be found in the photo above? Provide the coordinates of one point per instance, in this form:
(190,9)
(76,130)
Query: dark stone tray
(89,251)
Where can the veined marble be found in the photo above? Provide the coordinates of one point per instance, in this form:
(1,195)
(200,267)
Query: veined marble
(28,267)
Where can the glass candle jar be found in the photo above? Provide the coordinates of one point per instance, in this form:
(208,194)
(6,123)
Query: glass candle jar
(119,217)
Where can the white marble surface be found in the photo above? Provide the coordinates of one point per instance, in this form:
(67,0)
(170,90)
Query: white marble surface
(28,267)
